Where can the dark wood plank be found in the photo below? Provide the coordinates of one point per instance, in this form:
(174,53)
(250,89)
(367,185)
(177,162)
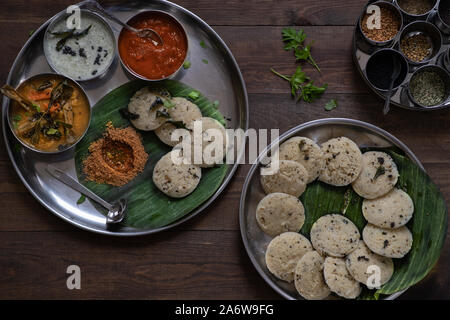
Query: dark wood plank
(231,12)
(205,258)
(174,265)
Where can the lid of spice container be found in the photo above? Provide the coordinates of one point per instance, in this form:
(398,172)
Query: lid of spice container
(444,76)
(387,6)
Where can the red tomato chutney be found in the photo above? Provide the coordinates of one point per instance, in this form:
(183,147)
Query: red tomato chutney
(148,59)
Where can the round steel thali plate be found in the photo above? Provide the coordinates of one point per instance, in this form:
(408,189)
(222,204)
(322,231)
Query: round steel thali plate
(220,80)
(256,241)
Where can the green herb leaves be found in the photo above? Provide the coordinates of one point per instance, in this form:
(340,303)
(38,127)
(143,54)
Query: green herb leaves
(310,92)
(292,38)
(295,40)
(81,199)
(330,105)
(305,54)
(194,95)
(66,35)
(186,65)
(299,88)
(302,87)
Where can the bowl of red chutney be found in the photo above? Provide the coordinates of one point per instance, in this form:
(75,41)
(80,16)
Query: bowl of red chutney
(146,59)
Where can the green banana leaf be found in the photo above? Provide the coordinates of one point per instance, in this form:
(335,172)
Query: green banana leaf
(428,225)
(147,206)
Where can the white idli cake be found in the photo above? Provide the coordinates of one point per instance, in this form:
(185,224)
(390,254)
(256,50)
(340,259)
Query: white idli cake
(391,243)
(361,261)
(306,152)
(173,179)
(343,162)
(291,178)
(339,279)
(183,111)
(378,176)
(390,211)
(283,253)
(86,54)
(147,105)
(209,128)
(335,235)
(309,279)
(280,212)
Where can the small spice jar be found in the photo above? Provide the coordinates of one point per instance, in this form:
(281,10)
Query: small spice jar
(380,66)
(420,41)
(416,9)
(442,19)
(391,21)
(429,86)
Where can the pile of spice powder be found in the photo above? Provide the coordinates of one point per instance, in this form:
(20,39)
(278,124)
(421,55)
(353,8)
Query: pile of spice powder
(416,47)
(116,158)
(428,88)
(390,25)
(416,7)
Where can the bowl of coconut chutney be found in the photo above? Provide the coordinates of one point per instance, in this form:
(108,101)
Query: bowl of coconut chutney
(81,50)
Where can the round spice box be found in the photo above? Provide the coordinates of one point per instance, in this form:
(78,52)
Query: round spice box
(413,35)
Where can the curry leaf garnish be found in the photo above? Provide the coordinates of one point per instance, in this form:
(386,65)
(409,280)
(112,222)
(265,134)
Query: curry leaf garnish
(162,113)
(380,171)
(66,35)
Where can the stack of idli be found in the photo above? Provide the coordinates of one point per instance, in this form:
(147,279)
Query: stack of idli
(156,110)
(334,259)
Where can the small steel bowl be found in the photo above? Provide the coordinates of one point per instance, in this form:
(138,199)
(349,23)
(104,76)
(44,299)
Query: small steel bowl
(439,21)
(403,73)
(83,12)
(430,31)
(380,4)
(137,17)
(410,16)
(442,73)
(57,76)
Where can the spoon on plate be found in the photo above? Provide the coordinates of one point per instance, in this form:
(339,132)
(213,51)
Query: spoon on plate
(146,33)
(116,210)
(396,69)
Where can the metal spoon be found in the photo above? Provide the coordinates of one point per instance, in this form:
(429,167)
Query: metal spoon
(143,33)
(116,210)
(396,69)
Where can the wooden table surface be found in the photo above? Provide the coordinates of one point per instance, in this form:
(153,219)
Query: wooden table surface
(205,258)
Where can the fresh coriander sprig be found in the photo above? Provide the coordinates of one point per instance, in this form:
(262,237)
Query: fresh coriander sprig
(309,92)
(295,40)
(297,79)
(304,53)
(306,92)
